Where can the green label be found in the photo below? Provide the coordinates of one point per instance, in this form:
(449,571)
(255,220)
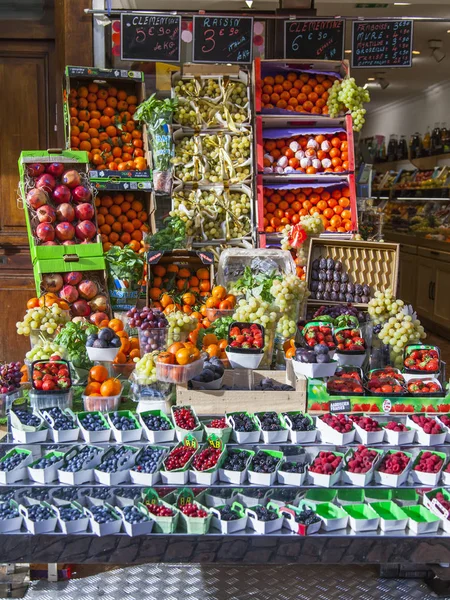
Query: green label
(185,496)
(151,497)
(214,441)
(190,441)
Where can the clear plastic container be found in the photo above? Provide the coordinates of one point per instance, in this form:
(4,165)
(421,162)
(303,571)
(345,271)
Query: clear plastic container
(152,339)
(62,400)
(7,400)
(123,370)
(179,373)
(215,313)
(148,392)
(233,261)
(37,336)
(101,403)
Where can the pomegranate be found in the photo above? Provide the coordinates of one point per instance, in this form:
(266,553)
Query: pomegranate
(72,278)
(69,243)
(35,169)
(46,214)
(69,293)
(71,178)
(65,231)
(50,244)
(85,230)
(88,289)
(99,303)
(46,182)
(80,308)
(81,194)
(84,212)
(52,282)
(45,232)
(56,169)
(97,317)
(65,212)
(36,198)
(61,194)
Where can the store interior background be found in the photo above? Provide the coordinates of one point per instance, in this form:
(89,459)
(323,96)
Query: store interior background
(39,37)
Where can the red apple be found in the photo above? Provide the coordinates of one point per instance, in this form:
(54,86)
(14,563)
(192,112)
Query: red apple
(72,278)
(84,212)
(61,194)
(52,282)
(69,293)
(85,230)
(71,178)
(36,198)
(45,232)
(56,169)
(46,182)
(97,317)
(88,289)
(80,308)
(35,169)
(65,212)
(46,214)
(99,303)
(81,194)
(65,231)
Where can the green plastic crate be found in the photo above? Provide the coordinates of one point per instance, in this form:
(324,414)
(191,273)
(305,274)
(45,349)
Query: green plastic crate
(92,264)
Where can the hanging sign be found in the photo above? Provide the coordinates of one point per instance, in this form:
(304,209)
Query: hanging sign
(382,44)
(153,38)
(314,40)
(221,39)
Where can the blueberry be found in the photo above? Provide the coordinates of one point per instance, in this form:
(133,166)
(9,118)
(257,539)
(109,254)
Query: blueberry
(7,511)
(133,515)
(27,418)
(80,459)
(66,493)
(69,513)
(102,514)
(149,460)
(46,462)
(12,461)
(93,422)
(129,493)
(61,421)
(101,493)
(156,423)
(38,513)
(122,422)
(115,459)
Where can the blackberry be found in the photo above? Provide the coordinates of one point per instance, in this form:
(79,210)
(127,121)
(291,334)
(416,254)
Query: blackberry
(306,517)
(270,421)
(228,514)
(263,463)
(243,422)
(235,460)
(265,514)
(293,467)
(300,422)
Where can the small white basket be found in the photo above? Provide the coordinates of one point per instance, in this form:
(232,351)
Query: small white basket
(264,527)
(72,527)
(331,436)
(132,529)
(86,474)
(110,528)
(38,527)
(45,475)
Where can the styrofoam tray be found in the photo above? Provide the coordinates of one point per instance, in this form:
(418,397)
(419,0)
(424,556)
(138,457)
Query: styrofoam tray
(368,438)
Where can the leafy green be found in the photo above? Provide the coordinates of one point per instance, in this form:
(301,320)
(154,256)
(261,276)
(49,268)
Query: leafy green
(73,337)
(256,285)
(125,264)
(219,327)
(171,237)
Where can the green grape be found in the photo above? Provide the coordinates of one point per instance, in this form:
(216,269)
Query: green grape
(345,94)
(145,371)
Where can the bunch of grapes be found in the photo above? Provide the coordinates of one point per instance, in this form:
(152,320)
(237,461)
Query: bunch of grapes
(289,293)
(46,319)
(345,94)
(146,318)
(255,310)
(44,349)
(398,331)
(10,377)
(383,305)
(180,324)
(145,371)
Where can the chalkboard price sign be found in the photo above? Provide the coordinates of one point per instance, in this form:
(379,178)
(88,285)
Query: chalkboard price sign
(382,44)
(154,38)
(223,40)
(314,40)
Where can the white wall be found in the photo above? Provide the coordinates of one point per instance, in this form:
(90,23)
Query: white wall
(412,114)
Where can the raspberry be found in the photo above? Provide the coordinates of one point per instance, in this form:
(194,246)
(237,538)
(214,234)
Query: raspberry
(362,460)
(325,462)
(339,423)
(429,462)
(394,464)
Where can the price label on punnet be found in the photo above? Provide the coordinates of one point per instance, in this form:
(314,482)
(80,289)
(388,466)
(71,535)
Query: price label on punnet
(214,441)
(185,496)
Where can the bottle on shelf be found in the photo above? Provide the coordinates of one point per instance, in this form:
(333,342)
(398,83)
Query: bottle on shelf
(426,143)
(402,150)
(415,146)
(392,147)
(436,143)
(445,138)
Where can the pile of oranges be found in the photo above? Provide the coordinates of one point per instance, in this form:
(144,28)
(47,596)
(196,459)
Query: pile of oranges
(47,300)
(100,385)
(178,287)
(101,123)
(285,207)
(179,353)
(299,92)
(122,221)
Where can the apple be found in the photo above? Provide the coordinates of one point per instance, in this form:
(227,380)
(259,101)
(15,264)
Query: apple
(88,289)
(35,169)
(99,303)
(69,293)
(52,282)
(46,214)
(72,278)
(61,194)
(56,169)
(46,182)
(36,198)
(71,178)
(85,230)
(80,308)
(84,212)
(45,232)
(81,194)
(97,317)
(65,212)
(65,231)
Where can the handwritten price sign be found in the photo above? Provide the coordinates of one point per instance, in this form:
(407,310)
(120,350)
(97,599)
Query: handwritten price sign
(382,44)
(314,40)
(223,40)
(150,38)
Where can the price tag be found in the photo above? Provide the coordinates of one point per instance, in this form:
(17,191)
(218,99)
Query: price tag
(214,441)
(337,406)
(223,39)
(153,38)
(185,496)
(190,441)
(151,497)
(314,40)
(382,44)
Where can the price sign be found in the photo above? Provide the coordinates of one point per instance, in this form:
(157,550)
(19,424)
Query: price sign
(223,39)
(153,38)
(340,406)
(214,441)
(151,497)
(190,441)
(185,496)
(382,44)
(314,39)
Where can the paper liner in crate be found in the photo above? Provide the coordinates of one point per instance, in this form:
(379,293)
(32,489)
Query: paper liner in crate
(78,525)
(142,528)
(286,478)
(324,480)
(236,477)
(38,527)
(94,437)
(157,437)
(333,517)
(141,478)
(21,471)
(391,479)
(226,527)
(12,524)
(26,434)
(244,437)
(47,474)
(425,478)
(272,437)
(265,478)
(392,517)
(264,527)
(331,436)
(130,435)
(123,473)
(299,437)
(362,517)
(360,479)
(62,435)
(86,472)
(109,528)
(428,439)
(421,520)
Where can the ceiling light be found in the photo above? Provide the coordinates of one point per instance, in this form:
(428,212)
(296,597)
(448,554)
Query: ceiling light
(436,50)
(416,52)
(348,51)
(371,79)
(448,30)
(249,3)
(402,3)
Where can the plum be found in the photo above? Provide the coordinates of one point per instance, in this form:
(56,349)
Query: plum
(341,297)
(321,287)
(321,349)
(334,296)
(350,288)
(335,287)
(330,263)
(344,277)
(314,286)
(91,339)
(366,290)
(323,263)
(314,275)
(357,298)
(338,265)
(312,295)
(323,358)
(349,297)
(322,275)
(326,296)
(315,263)
(364,299)
(319,296)
(336,276)
(359,289)
(343,288)
(329,275)
(100,344)
(328,287)
(116,342)
(106,334)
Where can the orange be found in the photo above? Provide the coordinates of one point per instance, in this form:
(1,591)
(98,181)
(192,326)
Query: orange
(210,338)
(98,373)
(183,356)
(219,292)
(173,348)
(116,325)
(213,350)
(134,343)
(120,359)
(203,273)
(33,303)
(111,387)
(135,353)
(92,388)
(189,299)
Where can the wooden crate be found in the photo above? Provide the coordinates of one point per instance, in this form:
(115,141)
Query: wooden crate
(217,402)
(371,263)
